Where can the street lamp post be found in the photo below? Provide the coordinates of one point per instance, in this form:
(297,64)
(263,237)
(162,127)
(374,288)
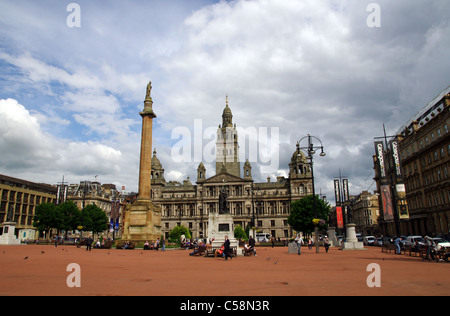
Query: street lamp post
(311,150)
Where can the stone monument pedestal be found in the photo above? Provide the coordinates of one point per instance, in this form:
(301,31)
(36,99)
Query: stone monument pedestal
(351,242)
(142,222)
(219,226)
(332,237)
(9,237)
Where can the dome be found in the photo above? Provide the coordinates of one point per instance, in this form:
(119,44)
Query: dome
(227,116)
(298,155)
(227,111)
(156,164)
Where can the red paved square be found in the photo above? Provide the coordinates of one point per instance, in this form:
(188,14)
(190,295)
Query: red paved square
(273,272)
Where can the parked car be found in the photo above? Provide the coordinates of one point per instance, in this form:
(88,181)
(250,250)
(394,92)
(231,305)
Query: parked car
(369,241)
(441,243)
(359,237)
(388,240)
(379,242)
(412,240)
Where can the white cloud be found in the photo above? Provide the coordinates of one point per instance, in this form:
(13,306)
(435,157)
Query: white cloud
(27,149)
(303,66)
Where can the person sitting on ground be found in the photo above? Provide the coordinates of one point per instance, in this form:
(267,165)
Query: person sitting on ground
(146,245)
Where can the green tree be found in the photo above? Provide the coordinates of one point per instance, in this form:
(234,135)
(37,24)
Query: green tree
(239,232)
(45,217)
(71,216)
(94,219)
(177,231)
(302,214)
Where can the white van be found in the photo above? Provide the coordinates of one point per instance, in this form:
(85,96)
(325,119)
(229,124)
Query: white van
(262,237)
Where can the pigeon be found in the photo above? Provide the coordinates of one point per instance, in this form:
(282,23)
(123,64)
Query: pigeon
(268,258)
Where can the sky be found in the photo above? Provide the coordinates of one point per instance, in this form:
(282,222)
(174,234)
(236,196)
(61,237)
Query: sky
(73,79)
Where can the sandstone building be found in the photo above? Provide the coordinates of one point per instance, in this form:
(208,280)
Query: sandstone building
(425,156)
(265,206)
(19,199)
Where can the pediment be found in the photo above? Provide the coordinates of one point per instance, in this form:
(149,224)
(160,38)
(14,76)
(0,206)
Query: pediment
(224,177)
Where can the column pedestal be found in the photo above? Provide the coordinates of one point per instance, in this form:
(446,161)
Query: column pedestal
(351,242)
(8,237)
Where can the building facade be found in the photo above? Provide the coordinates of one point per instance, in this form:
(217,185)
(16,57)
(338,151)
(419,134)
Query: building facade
(425,157)
(19,199)
(105,196)
(264,206)
(366,211)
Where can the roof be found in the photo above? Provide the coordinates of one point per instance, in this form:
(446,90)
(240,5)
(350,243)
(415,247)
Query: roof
(428,111)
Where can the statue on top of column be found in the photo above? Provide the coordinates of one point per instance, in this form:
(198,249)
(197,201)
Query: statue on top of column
(149,91)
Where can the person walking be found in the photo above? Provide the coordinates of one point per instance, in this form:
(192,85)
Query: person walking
(326,243)
(299,241)
(310,243)
(227,248)
(397,244)
(429,244)
(163,244)
(89,243)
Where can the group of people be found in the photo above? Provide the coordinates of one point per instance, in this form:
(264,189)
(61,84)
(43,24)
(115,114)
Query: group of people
(299,241)
(155,245)
(224,251)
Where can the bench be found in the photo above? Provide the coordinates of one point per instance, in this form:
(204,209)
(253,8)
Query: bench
(121,244)
(442,254)
(81,243)
(411,251)
(249,251)
(388,248)
(108,244)
(200,251)
(211,251)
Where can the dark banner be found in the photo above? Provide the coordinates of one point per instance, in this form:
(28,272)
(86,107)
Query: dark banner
(337,192)
(345,189)
(379,152)
(398,166)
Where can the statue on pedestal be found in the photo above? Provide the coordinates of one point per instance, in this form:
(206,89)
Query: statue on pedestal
(223,209)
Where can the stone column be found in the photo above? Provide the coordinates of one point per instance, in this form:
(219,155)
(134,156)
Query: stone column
(145,168)
(143,218)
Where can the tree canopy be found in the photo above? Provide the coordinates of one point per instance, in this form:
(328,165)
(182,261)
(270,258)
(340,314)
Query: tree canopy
(302,214)
(67,217)
(177,231)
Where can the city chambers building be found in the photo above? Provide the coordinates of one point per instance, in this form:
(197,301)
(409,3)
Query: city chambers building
(263,206)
